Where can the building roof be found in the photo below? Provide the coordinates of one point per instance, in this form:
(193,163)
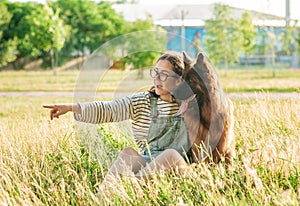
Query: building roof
(132,12)
(193,14)
(205,12)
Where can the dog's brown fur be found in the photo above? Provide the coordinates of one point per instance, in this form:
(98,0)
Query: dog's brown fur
(209,117)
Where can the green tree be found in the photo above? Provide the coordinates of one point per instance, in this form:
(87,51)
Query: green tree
(47,33)
(19,28)
(7,47)
(298,41)
(272,45)
(91,24)
(36,28)
(249,33)
(222,40)
(262,42)
(290,42)
(150,41)
(266,45)
(287,39)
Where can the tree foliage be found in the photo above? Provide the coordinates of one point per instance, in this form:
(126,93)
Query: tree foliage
(20,28)
(298,42)
(222,40)
(68,28)
(34,28)
(288,39)
(147,39)
(249,33)
(46,30)
(91,24)
(7,47)
(228,36)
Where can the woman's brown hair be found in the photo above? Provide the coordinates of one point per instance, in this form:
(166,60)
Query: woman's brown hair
(175,58)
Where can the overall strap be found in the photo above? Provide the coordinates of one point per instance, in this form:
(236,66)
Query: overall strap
(153,104)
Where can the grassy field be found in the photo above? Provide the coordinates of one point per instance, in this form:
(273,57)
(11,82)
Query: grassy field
(46,162)
(286,80)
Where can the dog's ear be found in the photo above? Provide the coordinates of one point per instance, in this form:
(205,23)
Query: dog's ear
(203,67)
(200,58)
(205,71)
(186,60)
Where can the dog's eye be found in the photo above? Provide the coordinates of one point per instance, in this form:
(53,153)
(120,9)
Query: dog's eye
(191,80)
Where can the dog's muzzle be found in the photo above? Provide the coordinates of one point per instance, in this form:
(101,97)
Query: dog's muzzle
(182,92)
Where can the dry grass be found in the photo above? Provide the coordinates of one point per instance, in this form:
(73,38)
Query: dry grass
(46,162)
(286,80)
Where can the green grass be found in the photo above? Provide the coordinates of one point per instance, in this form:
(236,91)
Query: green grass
(37,81)
(254,80)
(47,163)
(286,80)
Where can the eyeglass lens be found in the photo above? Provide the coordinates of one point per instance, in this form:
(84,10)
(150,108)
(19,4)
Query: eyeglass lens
(161,76)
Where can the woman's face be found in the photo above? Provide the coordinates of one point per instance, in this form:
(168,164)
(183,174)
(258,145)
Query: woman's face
(163,88)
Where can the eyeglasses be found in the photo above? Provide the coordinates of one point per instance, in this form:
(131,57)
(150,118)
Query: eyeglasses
(160,75)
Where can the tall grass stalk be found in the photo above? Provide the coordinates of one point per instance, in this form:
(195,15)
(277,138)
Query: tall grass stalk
(43,162)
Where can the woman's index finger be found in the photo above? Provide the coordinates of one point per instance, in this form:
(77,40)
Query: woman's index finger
(49,106)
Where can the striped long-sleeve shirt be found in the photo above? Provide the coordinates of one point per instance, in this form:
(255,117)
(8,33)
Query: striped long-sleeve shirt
(136,108)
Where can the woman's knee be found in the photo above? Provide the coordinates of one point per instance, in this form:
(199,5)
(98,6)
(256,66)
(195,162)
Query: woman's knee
(172,154)
(129,151)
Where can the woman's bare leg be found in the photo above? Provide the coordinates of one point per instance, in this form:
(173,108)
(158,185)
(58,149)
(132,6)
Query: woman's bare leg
(167,160)
(128,160)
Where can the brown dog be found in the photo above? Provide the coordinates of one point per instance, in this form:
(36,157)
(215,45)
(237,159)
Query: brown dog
(208,112)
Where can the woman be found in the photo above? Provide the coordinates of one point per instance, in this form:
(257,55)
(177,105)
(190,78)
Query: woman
(158,128)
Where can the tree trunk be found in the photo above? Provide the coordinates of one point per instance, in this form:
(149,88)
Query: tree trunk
(53,62)
(140,74)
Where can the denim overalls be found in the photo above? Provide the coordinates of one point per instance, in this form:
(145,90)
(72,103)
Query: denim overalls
(165,133)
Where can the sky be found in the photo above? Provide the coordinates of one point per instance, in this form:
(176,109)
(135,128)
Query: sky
(276,7)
